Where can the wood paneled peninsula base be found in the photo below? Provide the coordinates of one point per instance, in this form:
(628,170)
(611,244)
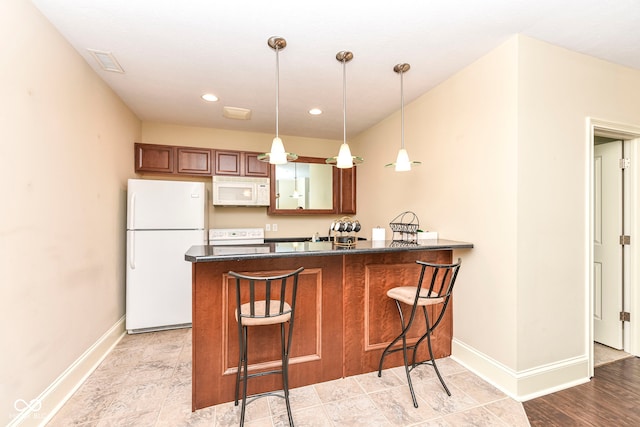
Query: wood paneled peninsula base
(343,317)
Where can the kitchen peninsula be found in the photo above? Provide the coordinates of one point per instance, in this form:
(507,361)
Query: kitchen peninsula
(343,317)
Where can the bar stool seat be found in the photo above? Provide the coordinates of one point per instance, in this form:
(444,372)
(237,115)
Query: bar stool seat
(440,279)
(407,295)
(266,305)
(260,310)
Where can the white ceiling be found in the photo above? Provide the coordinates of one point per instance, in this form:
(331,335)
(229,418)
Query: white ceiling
(174,51)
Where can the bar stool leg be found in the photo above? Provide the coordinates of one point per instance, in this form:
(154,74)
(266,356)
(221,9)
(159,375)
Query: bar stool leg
(285,373)
(406,369)
(244,378)
(240,360)
(384,354)
(388,350)
(405,328)
(417,344)
(432,359)
(433,363)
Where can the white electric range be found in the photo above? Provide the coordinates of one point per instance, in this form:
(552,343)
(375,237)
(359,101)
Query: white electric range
(236,236)
(229,241)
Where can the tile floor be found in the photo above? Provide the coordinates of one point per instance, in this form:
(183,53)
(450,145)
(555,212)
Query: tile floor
(603,354)
(146,381)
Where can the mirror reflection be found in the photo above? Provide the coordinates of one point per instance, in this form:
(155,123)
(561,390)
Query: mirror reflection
(300,186)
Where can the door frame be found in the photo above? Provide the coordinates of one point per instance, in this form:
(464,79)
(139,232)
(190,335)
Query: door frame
(631,338)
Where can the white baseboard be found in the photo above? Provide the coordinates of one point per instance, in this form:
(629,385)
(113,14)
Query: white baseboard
(527,384)
(39,411)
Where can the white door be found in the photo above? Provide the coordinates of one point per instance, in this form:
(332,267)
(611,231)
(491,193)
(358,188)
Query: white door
(607,266)
(159,278)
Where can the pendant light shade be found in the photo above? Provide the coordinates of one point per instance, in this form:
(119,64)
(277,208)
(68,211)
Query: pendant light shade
(402,163)
(344,160)
(277,155)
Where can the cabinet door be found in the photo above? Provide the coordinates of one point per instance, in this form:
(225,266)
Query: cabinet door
(194,161)
(348,191)
(254,167)
(154,158)
(228,163)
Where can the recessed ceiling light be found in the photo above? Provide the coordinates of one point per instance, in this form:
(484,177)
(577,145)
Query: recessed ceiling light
(315,111)
(209,97)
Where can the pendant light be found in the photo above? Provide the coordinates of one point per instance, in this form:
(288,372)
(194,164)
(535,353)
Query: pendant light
(296,194)
(402,162)
(344,159)
(277,155)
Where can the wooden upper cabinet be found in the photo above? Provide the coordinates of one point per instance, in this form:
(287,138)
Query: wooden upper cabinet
(347,197)
(239,163)
(154,158)
(168,159)
(227,162)
(254,167)
(194,161)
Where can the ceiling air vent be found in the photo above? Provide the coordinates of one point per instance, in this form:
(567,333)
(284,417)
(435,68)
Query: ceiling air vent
(236,113)
(106,60)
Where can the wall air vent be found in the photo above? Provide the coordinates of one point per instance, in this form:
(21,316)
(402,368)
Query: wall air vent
(236,113)
(106,60)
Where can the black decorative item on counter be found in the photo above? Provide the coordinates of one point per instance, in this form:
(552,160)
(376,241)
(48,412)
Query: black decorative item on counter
(342,231)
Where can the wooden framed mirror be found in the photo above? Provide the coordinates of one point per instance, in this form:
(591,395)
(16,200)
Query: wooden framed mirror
(307,186)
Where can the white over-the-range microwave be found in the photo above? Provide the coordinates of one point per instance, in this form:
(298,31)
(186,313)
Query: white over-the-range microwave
(240,191)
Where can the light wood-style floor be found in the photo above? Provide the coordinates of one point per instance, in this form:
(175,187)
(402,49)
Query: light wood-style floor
(611,398)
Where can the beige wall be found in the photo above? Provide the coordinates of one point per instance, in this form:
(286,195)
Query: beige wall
(558,90)
(66,149)
(464,131)
(504,146)
(229,217)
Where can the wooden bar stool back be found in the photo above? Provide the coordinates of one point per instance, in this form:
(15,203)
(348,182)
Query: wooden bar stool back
(265,305)
(434,289)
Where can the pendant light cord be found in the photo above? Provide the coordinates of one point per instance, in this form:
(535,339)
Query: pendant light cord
(344,159)
(402,107)
(277,86)
(344,99)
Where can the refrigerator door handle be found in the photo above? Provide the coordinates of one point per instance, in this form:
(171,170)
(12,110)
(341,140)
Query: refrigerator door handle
(132,250)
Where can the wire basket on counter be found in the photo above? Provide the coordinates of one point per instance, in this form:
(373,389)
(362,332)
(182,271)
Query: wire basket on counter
(405,227)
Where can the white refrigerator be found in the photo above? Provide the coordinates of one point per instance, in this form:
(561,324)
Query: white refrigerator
(164,219)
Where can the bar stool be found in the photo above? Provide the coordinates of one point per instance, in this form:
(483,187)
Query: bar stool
(266,305)
(441,278)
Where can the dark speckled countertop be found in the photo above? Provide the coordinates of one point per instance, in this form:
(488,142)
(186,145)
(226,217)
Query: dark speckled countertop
(212,253)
